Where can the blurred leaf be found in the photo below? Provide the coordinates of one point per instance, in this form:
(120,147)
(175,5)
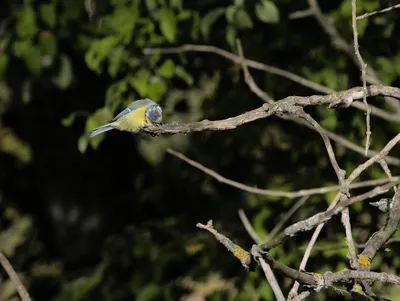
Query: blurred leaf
(83,143)
(68,121)
(168,24)
(151,4)
(79,288)
(267,12)
(185,15)
(3,63)
(176,4)
(65,75)
(258,222)
(242,19)
(11,144)
(47,43)
(167,69)
(156,88)
(148,293)
(33,60)
(26,22)
(44,269)
(183,74)
(122,21)
(98,51)
(230,14)
(26,91)
(264,290)
(48,13)
(239,2)
(386,69)
(330,196)
(208,21)
(16,233)
(140,81)
(329,121)
(117,57)
(7,290)
(362,26)
(231,35)
(196,26)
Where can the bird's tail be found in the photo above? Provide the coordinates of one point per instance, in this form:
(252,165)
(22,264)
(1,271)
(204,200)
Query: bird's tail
(100,129)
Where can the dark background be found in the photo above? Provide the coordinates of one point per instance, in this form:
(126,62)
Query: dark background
(114,218)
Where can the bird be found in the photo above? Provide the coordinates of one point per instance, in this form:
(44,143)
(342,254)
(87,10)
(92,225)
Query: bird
(139,114)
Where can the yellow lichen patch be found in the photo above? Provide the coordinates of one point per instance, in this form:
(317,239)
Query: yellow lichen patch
(357,287)
(363,259)
(316,274)
(240,253)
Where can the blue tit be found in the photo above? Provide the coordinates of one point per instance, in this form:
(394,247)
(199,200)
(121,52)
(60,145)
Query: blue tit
(139,114)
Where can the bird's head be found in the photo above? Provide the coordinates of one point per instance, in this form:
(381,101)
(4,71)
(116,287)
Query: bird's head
(153,113)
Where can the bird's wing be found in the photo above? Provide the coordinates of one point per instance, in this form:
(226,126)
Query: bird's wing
(132,107)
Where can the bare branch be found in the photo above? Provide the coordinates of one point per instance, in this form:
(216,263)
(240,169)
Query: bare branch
(23,293)
(367,15)
(349,238)
(307,278)
(269,274)
(236,59)
(274,193)
(322,217)
(245,258)
(249,79)
(266,98)
(237,251)
(378,239)
(378,157)
(272,70)
(340,173)
(279,107)
(363,72)
(341,44)
(346,275)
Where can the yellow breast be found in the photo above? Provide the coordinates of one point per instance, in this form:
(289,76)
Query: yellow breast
(133,121)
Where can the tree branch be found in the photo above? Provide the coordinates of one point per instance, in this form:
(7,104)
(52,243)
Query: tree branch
(23,293)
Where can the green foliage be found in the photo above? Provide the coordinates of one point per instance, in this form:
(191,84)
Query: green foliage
(267,11)
(168,24)
(209,19)
(78,289)
(63,74)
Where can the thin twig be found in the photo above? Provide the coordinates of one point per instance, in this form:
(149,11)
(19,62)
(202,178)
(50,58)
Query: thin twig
(319,218)
(249,228)
(236,250)
(274,193)
(340,173)
(269,274)
(236,59)
(379,238)
(23,293)
(341,44)
(307,253)
(344,246)
(378,157)
(272,70)
(367,15)
(363,72)
(249,79)
(356,172)
(286,217)
(349,238)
